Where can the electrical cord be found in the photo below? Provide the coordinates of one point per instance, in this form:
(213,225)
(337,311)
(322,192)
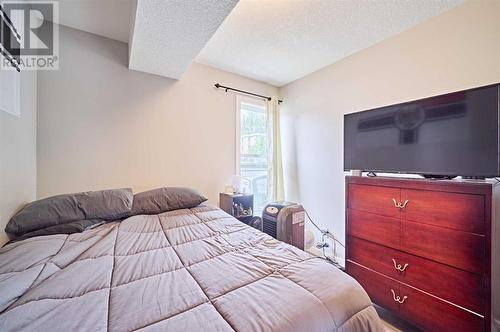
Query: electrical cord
(323,245)
(312,221)
(325,232)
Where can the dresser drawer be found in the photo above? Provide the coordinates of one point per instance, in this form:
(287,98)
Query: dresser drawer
(376,285)
(374,227)
(463,212)
(454,285)
(425,311)
(432,314)
(465,251)
(374,199)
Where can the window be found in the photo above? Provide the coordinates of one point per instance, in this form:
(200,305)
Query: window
(253,150)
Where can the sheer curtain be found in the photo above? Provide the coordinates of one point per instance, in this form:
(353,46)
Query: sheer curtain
(276,186)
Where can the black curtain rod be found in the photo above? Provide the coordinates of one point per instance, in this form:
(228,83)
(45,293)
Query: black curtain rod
(10,24)
(227,88)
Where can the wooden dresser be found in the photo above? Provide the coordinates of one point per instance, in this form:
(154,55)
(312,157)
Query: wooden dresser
(422,248)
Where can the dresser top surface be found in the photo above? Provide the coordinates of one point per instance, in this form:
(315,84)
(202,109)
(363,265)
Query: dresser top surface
(475,186)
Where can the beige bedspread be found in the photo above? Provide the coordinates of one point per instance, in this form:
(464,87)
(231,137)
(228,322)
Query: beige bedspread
(187,270)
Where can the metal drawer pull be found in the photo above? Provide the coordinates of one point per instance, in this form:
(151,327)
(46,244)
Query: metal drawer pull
(397,298)
(400,205)
(396,203)
(398,266)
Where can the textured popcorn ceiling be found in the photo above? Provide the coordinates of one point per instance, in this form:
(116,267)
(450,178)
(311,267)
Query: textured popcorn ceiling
(168,35)
(275,41)
(279,41)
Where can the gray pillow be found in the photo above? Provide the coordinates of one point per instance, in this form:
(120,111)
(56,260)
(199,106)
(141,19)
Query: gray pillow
(62,209)
(69,228)
(166,199)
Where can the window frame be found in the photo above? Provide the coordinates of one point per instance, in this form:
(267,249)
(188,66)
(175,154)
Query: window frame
(250,100)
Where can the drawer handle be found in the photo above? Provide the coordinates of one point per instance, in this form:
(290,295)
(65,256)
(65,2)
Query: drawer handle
(396,203)
(398,266)
(400,205)
(397,298)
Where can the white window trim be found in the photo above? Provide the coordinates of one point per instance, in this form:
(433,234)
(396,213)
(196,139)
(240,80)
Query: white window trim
(238,100)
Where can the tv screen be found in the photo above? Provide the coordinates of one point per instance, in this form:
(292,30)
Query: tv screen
(449,135)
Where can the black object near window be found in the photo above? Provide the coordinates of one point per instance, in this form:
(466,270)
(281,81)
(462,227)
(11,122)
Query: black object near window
(10,40)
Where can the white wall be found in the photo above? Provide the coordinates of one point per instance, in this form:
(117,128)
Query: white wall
(101,125)
(18,154)
(454,51)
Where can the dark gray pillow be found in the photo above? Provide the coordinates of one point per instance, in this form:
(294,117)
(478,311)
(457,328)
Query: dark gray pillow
(69,228)
(166,199)
(62,209)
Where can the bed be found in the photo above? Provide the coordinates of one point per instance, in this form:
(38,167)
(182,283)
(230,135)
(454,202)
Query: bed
(196,269)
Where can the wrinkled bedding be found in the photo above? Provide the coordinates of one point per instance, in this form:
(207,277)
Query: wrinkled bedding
(195,269)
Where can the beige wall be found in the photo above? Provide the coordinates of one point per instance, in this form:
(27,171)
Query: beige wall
(457,50)
(101,125)
(18,154)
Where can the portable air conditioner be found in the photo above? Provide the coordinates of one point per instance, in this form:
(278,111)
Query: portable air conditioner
(285,221)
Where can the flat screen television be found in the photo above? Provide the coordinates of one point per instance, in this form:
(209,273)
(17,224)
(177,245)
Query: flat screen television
(448,135)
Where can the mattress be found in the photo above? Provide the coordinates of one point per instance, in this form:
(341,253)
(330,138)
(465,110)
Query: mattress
(194,269)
